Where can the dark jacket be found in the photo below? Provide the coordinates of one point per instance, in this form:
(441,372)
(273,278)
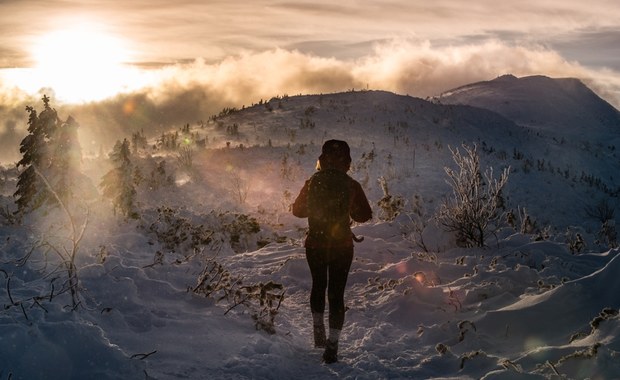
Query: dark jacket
(320,234)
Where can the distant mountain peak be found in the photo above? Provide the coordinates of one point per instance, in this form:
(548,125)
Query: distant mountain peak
(541,102)
(506,77)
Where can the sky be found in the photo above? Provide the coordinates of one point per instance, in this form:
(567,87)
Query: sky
(230,53)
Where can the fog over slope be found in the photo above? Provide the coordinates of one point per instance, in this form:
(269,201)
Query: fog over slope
(188,288)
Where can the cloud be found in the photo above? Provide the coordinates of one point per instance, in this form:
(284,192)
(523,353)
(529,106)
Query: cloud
(403,66)
(189,92)
(422,70)
(165,31)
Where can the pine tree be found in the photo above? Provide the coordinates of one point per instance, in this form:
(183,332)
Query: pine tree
(52,149)
(118,183)
(66,158)
(31,193)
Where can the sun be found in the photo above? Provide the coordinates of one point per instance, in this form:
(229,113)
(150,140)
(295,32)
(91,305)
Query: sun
(82,63)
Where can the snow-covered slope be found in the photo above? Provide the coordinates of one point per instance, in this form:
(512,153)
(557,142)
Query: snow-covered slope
(527,306)
(564,106)
(411,139)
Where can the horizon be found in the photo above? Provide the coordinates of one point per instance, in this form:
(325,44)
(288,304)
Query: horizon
(102,124)
(93,51)
(189,60)
(420,305)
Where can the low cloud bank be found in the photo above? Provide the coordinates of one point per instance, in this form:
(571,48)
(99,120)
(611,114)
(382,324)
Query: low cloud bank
(186,93)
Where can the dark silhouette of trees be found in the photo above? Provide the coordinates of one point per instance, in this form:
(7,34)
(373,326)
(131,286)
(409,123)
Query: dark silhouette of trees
(118,184)
(51,149)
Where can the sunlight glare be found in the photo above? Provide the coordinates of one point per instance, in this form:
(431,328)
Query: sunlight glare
(81,63)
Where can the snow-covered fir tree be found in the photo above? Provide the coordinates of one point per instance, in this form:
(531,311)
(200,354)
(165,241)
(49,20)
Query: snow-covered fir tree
(66,158)
(31,193)
(118,183)
(51,149)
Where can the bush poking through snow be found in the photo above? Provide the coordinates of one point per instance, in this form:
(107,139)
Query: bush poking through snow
(239,226)
(263,301)
(186,158)
(525,223)
(215,281)
(587,353)
(606,314)
(180,235)
(470,356)
(391,205)
(441,349)
(380,284)
(608,233)
(602,211)
(464,327)
(454,301)
(7,216)
(576,244)
(67,252)
(509,364)
(418,221)
(56,278)
(473,210)
(426,257)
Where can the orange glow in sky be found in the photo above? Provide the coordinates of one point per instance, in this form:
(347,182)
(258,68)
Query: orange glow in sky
(81,63)
(243,51)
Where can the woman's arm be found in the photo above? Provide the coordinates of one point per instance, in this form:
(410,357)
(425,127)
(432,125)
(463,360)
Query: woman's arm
(300,207)
(360,208)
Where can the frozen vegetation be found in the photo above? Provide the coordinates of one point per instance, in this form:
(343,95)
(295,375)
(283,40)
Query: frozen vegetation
(175,256)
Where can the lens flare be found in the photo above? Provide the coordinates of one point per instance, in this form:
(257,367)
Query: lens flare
(532,343)
(420,277)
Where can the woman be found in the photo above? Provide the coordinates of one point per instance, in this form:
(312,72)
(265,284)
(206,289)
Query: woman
(330,199)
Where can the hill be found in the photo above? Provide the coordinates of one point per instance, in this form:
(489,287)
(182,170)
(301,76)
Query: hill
(562,106)
(410,141)
(211,281)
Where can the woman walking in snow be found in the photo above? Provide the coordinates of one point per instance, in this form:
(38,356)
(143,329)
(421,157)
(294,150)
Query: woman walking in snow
(330,199)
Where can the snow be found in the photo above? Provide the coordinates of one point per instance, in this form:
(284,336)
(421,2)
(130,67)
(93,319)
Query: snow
(520,308)
(546,104)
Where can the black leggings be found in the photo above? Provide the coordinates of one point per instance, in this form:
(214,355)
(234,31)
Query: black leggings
(329,269)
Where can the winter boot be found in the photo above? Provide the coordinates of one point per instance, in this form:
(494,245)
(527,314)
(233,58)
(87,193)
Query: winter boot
(318,322)
(319,336)
(331,352)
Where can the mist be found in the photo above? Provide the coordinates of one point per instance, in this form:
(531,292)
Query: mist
(192,92)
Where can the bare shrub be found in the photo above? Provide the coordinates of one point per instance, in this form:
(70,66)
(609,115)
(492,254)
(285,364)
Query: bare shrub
(186,158)
(602,211)
(418,221)
(391,205)
(473,210)
(608,233)
(238,187)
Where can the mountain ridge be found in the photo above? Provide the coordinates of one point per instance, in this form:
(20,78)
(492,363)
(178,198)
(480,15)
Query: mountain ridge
(419,134)
(541,102)
(404,139)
